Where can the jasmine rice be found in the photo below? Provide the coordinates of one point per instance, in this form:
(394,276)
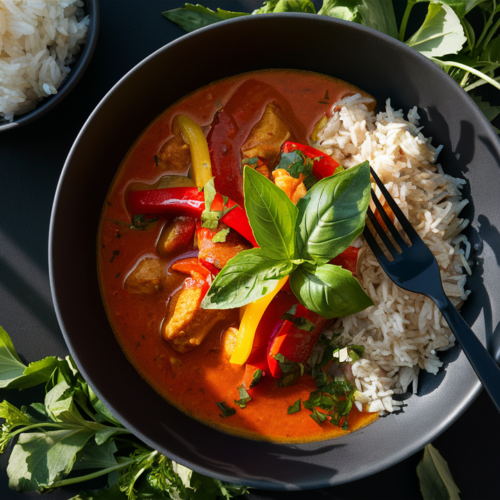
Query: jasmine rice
(38,41)
(403,331)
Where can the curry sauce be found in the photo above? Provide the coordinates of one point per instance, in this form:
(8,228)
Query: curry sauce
(196,380)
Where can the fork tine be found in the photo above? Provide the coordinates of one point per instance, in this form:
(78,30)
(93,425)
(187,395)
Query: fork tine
(388,223)
(405,223)
(372,243)
(380,231)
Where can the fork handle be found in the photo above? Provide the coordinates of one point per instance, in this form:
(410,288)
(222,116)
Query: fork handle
(481,360)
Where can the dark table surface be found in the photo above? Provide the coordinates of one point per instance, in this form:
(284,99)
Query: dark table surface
(31,159)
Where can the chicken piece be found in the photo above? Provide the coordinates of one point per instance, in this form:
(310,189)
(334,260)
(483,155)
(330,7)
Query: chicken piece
(175,154)
(293,188)
(176,235)
(267,136)
(186,324)
(229,339)
(148,277)
(219,253)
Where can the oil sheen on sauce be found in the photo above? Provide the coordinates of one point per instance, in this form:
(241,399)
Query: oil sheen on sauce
(195,381)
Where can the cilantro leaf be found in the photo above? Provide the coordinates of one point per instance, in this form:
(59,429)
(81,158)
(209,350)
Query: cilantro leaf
(244,397)
(256,378)
(294,408)
(227,411)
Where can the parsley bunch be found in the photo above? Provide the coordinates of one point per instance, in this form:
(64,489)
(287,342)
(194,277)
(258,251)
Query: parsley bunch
(72,431)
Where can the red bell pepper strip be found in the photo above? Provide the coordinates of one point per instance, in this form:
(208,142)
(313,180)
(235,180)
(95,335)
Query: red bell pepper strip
(200,277)
(271,320)
(191,202)
(324,167)
(347,259)
(215,271)
(292,342)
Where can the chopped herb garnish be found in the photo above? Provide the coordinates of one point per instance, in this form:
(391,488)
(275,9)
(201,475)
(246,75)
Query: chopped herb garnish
(296,163)
(323,102)
(294,408)
(118,235)
(117,276)
(156,160)
(256,378)
(292,371)
(327,96)
(227,411)
(244,397)
(109,203)
(299,322)
(318,417)
(115,254)
(220,237)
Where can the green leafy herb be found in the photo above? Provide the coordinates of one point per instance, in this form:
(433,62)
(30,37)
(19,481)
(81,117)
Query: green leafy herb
(245,278)
(257,376)
(440,34)
(14,374)
(220,237)
(156,160)
(244,397)
(192,17)
(436,481)
(271,214)
(296,163)
(332,214)
(53,439)
(299,322)
(329,290)
(114,255)
(227,411)
(292,370)
(209,218)
(294,408)
(250,161)
(318,416)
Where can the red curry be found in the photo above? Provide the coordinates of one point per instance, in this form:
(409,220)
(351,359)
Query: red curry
(194,377)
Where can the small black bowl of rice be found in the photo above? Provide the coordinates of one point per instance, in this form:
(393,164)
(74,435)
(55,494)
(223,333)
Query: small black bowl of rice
(451,192)
(44,50)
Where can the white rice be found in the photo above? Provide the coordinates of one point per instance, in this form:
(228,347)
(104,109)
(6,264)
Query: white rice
(403,331)
(38,40)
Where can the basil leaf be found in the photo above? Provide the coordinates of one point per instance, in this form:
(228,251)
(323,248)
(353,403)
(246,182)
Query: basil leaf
(440,34)
(436,481)
(292,370)
(332,214)
(300,322)
(271,214)
(192,17)
(286,6)
(227,411)
(244,397)
(330,291)
(248,276)
(257,376)
(294,408)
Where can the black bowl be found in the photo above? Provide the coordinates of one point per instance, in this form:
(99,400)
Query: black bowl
(77,70)
(373,61)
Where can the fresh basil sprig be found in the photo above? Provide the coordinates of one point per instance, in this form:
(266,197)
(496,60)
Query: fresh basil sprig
(298,242)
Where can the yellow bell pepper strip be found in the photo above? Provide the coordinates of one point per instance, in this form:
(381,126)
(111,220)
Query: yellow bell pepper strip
(201,170)
(251,317)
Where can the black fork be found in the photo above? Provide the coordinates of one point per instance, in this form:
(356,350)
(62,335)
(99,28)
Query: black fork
(414,268)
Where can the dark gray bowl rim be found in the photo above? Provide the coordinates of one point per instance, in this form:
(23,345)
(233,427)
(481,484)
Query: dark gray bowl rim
(78,68)
(405,452)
